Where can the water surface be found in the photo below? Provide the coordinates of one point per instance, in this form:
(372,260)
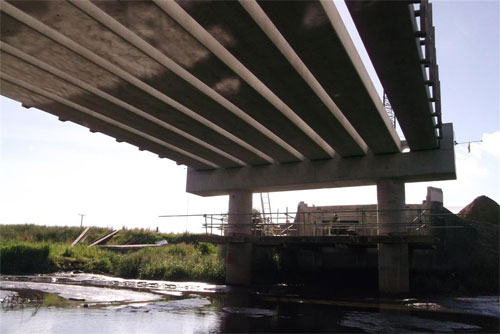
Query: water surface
(50,305)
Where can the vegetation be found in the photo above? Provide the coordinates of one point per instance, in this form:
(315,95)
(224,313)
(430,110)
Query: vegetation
(59,234)
(23,257)
(28,249)
(145,236)
(175,262)
(47,234)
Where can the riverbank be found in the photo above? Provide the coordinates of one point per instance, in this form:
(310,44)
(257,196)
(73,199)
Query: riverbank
(465,261)
(30,249)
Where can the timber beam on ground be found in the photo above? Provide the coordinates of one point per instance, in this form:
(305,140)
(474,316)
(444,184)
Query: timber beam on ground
(415,241)
(126,248)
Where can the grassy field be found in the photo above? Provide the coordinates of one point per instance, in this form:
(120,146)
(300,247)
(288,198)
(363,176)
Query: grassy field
(30,249)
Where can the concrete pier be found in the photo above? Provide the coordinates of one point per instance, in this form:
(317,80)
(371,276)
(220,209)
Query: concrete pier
(239,255)
(393,264)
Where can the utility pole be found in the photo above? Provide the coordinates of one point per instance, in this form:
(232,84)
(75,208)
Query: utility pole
(81,218)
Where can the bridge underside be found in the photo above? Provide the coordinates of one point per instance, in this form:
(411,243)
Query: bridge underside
(250,95)
(219,85)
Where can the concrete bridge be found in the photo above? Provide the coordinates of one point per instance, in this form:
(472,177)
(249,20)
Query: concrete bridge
(251,95)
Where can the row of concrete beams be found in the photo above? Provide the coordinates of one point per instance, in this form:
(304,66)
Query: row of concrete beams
(392,38)
(206,92)
(428,38)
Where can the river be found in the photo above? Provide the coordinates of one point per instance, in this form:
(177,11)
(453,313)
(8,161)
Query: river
(83,303)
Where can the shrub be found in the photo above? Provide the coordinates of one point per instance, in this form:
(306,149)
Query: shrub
(23,258)
(174,262)
(206,248)
(22,252)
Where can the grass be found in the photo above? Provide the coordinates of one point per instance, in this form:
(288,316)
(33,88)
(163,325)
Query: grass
(145,236)
(48,234)
(65,234)
(23,257)
(174,262)
(30,249)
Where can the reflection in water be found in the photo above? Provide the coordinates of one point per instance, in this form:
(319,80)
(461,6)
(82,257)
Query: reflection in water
(251,312)
(236,311)
(83,293)
(386,321)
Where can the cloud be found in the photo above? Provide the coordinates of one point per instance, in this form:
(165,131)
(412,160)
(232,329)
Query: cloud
(478,173)
(491,144)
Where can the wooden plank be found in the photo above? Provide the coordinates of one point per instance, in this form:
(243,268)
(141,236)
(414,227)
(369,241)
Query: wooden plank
(103,239)
(129,247)
(80,237)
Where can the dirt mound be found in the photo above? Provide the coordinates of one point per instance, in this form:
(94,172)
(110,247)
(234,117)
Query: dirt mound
(482,209)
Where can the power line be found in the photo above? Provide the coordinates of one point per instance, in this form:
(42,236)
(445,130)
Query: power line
(468,143)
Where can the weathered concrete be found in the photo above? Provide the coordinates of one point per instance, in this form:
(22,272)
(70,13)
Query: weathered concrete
(268,95)
(104,60)
(239,255)
(313,25)
(390,206)
(393,267)
(361,219)
(258,58)
(240,208)
(207,84)
(361,241)
(430,165)
(238,264)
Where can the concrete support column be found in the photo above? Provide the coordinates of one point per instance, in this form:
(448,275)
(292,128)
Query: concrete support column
(240,209)
(239,255)
(390,206)
(393,264)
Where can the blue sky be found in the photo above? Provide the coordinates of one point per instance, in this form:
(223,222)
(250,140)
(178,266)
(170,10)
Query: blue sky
(52,171)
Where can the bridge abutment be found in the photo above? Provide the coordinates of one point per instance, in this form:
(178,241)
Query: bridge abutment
(239,255)
(393,262)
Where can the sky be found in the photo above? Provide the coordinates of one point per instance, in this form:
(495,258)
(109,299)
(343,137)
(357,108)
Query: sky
(50,171)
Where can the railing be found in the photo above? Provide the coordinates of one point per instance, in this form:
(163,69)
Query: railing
(325,223)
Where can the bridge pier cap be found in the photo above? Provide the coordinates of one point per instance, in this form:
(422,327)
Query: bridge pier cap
(414,166)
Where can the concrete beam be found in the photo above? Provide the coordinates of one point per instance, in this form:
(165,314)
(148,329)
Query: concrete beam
(429,165)
(309,26)
(138,80)
(255,57)
(388,30)
(21,65)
